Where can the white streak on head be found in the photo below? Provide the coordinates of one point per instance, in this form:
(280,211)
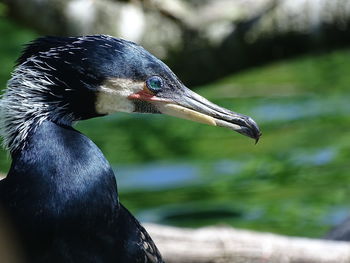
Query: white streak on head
(23,105)
(112,95)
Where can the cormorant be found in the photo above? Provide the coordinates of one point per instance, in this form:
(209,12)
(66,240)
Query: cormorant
(61,193)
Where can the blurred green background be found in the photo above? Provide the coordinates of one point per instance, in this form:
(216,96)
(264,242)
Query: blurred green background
(295,181)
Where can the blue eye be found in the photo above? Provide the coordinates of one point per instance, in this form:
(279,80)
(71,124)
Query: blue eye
(154,83)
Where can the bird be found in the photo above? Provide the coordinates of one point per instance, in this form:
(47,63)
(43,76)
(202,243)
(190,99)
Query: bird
(60,194)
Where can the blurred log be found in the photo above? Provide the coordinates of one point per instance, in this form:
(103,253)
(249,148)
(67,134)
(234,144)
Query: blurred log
(224,244)
(201,40)
(134,20)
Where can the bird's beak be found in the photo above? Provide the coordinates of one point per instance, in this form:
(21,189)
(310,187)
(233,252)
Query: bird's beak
(191,106)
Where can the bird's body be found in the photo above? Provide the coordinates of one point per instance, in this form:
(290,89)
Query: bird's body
(60,194)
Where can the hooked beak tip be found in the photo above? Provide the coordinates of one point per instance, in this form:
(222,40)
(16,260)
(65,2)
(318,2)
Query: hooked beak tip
(245,125)
(257,138)
(255,131)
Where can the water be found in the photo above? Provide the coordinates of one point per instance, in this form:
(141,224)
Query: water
(285,110)
(160,176)
(157,175)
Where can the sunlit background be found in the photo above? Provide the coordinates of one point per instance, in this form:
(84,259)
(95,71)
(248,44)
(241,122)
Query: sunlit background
(295,181)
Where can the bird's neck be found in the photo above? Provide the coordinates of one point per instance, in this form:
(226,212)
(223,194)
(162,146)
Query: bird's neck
(64,166)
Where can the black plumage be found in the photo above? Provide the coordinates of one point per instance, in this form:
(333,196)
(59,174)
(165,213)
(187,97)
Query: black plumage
(61,196)
(60,193)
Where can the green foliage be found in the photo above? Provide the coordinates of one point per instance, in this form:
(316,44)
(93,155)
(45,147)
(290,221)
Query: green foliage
(292,182)
(13,37)
(3,9)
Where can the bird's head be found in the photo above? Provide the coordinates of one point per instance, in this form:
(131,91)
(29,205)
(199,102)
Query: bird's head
(69,79)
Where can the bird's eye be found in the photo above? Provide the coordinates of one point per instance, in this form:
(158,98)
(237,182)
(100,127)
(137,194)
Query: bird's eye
(154,83)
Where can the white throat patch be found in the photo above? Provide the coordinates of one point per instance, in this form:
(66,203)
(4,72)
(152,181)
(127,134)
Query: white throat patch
(112,95)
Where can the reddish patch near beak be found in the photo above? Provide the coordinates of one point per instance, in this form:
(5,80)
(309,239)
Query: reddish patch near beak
(141,95)
(145,95)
